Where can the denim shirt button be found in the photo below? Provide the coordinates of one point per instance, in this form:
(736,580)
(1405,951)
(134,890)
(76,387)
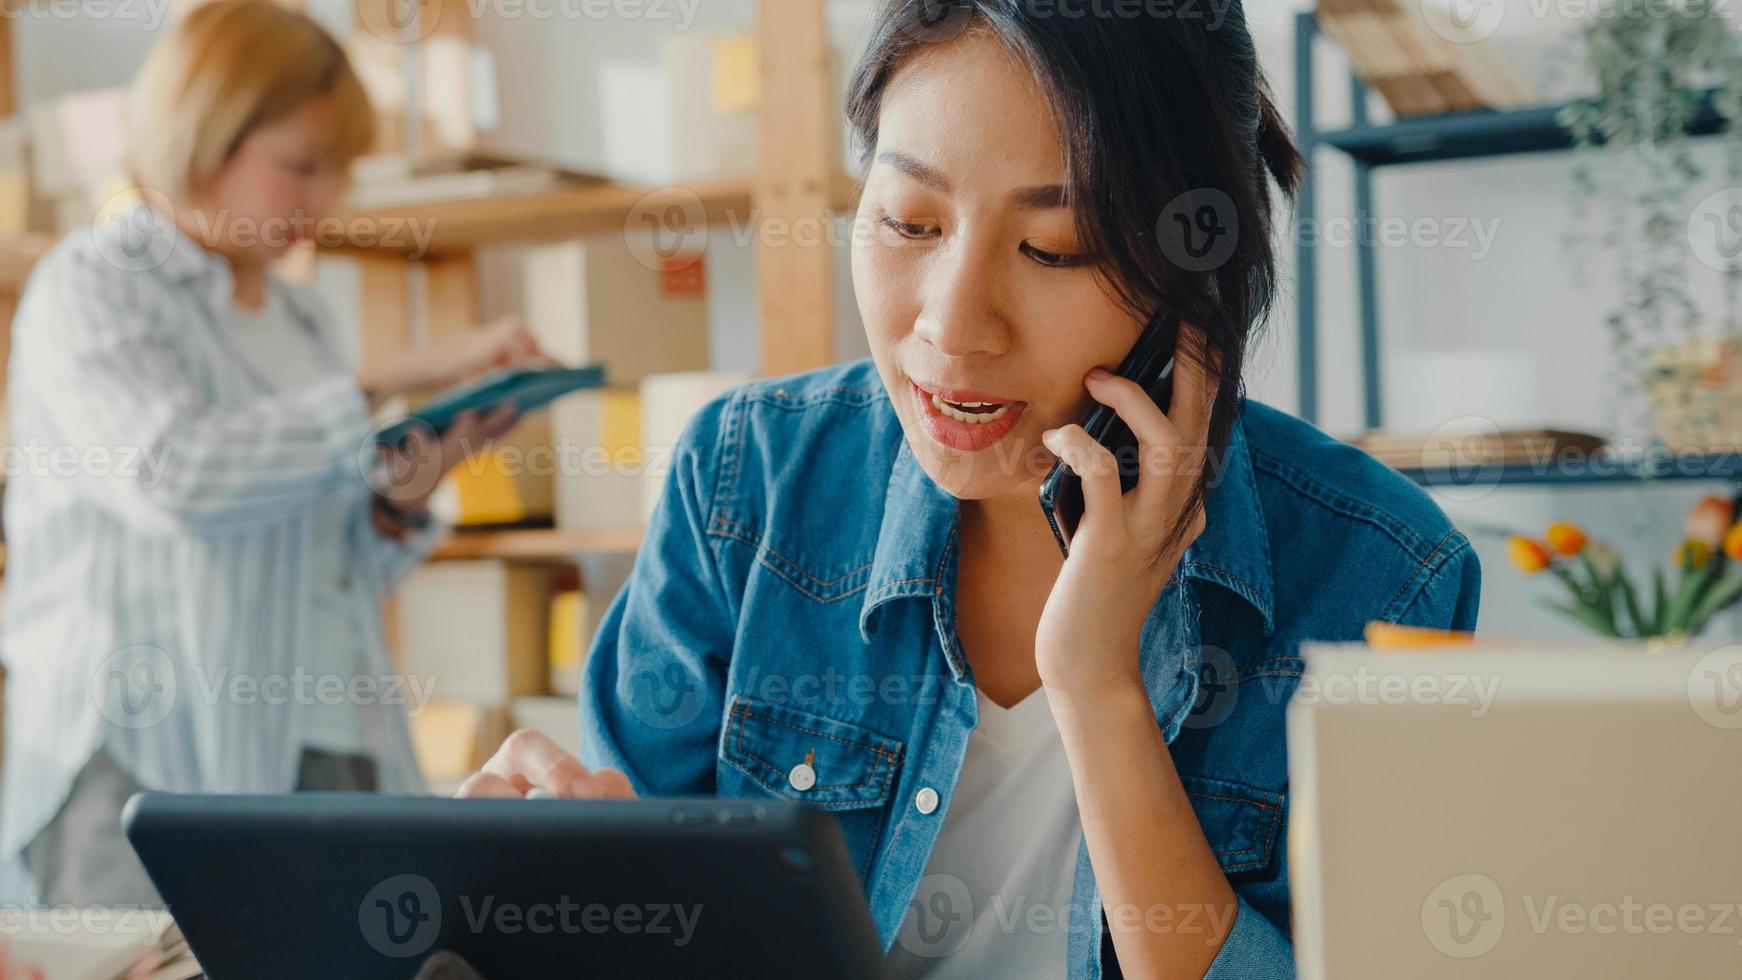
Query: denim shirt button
(802,777)
(926,800)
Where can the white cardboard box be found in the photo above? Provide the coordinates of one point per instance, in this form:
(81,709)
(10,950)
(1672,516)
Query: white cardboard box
(477,630)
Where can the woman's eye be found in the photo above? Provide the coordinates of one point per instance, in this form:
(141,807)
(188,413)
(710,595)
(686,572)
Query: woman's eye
(908,229)
(1056,260)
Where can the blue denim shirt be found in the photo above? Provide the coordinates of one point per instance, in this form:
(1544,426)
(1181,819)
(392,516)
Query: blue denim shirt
(795,602)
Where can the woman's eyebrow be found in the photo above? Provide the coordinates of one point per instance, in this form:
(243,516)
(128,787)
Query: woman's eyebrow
(1039,198)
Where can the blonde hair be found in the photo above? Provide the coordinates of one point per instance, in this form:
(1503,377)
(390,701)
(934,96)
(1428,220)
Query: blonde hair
(227,68)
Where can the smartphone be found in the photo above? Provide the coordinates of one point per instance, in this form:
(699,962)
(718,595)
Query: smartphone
(1150,364)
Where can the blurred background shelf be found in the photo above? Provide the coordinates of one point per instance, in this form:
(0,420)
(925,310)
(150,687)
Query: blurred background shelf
(535,545)
(1475,134)
(1717,466)
(460,225)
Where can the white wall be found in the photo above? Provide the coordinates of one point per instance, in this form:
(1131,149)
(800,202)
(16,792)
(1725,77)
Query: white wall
(1516,306)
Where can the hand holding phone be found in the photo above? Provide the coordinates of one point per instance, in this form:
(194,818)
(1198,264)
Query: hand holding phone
(1150,364)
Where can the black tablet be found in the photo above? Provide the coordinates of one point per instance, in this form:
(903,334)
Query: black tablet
(364,886)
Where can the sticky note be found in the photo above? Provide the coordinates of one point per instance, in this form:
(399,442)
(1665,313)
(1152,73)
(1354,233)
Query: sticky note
(621,435)
(737,82)
(565,631)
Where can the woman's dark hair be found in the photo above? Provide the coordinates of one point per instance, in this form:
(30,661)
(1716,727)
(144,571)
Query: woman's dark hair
(1170,139)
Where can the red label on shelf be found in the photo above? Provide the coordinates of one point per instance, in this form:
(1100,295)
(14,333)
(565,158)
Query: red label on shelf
(683,276)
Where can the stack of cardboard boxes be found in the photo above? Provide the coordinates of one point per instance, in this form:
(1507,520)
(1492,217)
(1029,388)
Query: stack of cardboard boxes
(504,643)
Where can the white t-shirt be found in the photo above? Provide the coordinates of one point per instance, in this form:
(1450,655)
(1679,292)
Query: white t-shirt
(995,898)
(290,356)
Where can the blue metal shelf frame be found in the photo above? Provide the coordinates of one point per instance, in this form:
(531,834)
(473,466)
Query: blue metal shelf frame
(1307,133)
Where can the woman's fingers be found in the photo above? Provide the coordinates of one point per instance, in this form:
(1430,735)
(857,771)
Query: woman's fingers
(613,784)
(1171,445)
(501,419)
(487,785)
(1195,384)
(13,970)
(509,342)
(528,759)
(1090,461)
(1155,432)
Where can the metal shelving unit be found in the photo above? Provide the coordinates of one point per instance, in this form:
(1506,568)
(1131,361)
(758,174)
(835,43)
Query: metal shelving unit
(1426,139)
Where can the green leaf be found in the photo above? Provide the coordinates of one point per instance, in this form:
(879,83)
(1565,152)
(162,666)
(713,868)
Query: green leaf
(1580,593)
(1584,615)
(1716,598)
(1693,583)
(1641,626)
(1659,603)
(1602,591)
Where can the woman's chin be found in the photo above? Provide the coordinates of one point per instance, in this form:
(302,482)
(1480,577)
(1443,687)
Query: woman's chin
(985,474)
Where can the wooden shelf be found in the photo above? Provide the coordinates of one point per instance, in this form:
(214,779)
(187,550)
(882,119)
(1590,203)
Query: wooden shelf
(18,254)
(534,545)
(446,227)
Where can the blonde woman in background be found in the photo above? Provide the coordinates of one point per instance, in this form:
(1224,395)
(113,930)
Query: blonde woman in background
(197,608)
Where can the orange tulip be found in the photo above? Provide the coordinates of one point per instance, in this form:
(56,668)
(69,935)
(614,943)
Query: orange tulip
(1708,520)
(1566,538)
(1693,553)
(1529,556)
(1733,541)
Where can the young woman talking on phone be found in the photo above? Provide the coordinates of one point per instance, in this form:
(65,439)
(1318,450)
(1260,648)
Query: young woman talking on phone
(1043,765)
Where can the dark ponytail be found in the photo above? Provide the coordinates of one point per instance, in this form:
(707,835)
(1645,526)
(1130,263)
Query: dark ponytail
(1168,130)
(1276,146)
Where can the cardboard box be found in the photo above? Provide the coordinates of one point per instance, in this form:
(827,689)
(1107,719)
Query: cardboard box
(556,718)
(453,739)
(595,300)
(690,115)
(668,402)
(512,482)
(477,629)
(597,443)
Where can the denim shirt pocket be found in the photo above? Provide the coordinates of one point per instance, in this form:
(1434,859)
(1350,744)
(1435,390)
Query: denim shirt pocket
(852,768)
(1240,821)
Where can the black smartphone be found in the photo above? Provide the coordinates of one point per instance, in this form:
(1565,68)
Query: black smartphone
(1150,364)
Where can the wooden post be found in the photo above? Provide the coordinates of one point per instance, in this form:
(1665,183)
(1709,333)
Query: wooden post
(8,96)
(384,298)
(450,292)
(791,193)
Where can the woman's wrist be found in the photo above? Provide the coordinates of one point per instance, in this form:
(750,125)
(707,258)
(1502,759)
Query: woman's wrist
(1090,692)
(394,523)
(378,385)
(412,515)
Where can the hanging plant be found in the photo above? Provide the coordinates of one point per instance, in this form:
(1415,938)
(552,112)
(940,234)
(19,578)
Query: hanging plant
(1657,64)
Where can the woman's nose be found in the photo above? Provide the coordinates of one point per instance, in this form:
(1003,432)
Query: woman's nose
(961,314)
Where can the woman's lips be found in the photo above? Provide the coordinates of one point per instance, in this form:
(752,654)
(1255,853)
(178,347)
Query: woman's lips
(957,434)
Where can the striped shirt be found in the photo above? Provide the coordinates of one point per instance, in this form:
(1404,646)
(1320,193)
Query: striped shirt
(162,507)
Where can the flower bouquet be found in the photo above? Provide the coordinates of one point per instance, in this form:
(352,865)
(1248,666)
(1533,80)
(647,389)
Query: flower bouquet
(1602,597)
